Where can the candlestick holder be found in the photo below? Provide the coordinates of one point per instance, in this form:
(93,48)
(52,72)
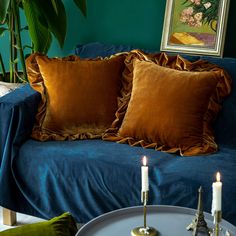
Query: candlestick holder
(144,230)
(199,224)
(217,219)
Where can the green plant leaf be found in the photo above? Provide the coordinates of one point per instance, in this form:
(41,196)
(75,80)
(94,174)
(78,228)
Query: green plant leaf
(16,61)
(19,3)
(6,20)
(2,29)
(81,4)
(2,68)
(54,3)
(39,33)
(16,46)
(4,4)
(27,46)
(56,22)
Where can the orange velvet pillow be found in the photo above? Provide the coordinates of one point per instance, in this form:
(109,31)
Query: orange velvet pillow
(79,97)
(168,109)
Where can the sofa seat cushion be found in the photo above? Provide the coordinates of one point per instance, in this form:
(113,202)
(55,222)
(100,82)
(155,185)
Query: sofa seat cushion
(91,177)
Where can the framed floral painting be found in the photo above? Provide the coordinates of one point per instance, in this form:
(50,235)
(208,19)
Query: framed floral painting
(195,26)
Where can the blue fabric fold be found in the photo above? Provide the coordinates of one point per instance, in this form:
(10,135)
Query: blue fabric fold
(17,111)
(91,177)
(97,49)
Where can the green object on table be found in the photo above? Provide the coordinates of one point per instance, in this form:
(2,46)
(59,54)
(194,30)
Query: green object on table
(61,225)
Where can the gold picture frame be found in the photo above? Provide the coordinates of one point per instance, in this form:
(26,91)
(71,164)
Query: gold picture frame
(195,26)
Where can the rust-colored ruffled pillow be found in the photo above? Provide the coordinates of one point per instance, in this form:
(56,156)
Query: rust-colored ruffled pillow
(167,108)
(79,97)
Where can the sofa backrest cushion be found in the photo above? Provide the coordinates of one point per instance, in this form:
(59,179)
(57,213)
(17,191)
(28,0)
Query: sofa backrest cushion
(79,97)
(96,49)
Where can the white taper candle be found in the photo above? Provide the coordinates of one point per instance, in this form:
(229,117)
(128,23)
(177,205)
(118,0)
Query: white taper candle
(144,168)
(217,194)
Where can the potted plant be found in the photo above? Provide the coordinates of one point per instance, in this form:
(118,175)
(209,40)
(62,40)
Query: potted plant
(44,19)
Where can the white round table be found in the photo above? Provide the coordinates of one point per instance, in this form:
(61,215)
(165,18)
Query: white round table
(168,220)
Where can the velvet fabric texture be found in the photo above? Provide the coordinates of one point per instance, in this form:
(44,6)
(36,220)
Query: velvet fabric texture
(79,97)
(169,104)
(61,225)
(97,49)
(45,179)
(92,177)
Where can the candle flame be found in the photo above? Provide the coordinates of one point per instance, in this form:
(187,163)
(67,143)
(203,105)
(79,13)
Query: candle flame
(144,160)
(218,176)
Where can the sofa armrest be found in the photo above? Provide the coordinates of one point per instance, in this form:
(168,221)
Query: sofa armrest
(17,112)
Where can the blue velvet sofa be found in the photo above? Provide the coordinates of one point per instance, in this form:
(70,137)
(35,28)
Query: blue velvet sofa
(91,177)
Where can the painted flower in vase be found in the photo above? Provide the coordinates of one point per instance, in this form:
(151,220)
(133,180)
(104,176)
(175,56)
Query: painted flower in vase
(195,22)
(195,26)
(200,12)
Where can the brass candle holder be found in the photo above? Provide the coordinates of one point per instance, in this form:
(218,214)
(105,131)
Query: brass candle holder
(217,219)
(144,230)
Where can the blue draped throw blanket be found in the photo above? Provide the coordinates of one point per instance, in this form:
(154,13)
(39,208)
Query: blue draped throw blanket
(91,177)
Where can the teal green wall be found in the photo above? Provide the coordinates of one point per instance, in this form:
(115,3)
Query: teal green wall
(136,22)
